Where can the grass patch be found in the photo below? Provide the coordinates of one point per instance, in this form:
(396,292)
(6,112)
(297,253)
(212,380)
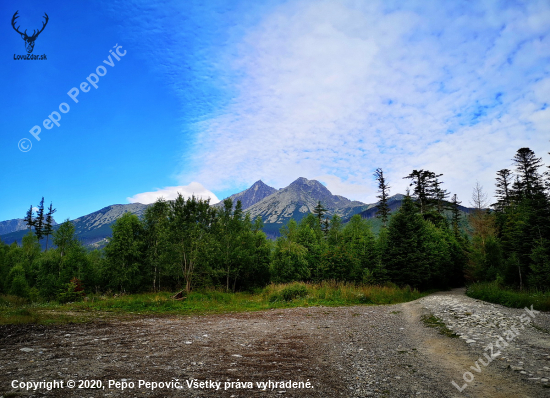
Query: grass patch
(493,293)
(432,321)
(104,307)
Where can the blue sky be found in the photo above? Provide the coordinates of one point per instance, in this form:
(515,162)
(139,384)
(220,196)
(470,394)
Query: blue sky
(210,98)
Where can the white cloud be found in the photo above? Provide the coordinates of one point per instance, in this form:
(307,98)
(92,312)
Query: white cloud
(335,89)
(170,193)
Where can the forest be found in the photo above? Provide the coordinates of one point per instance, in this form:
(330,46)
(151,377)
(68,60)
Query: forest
(187,244)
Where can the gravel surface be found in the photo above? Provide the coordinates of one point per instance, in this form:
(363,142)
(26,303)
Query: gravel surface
(361,351)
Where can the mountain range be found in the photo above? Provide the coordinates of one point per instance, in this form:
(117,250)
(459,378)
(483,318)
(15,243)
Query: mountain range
(275,206)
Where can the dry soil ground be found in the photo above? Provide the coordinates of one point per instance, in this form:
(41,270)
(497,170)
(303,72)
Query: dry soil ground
(343,352)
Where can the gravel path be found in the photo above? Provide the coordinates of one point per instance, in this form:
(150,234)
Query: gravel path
(361,351)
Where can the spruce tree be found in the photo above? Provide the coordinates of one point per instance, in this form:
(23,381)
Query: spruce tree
(503,192)
(383,209)
(426,189)
(319,212)
(527,165)
(29,220)
(455,217)
(39,222)
(48,227)
(405,256)
(440,195)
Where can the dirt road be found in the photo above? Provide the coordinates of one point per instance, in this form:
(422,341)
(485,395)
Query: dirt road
(356,351)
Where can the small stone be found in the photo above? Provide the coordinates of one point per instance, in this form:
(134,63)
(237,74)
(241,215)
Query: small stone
(470,341)
(544,380)
(523,372)
(188,342)
(26,349)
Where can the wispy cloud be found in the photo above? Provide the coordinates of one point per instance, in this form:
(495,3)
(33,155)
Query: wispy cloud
(170,193)
(337,89)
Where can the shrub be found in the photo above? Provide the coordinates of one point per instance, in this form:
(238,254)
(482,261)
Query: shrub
(73,291)
(293,291)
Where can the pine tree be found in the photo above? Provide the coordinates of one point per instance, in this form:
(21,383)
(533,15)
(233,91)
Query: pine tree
(504,190)
(383,209)
(440,195)
(29,220)
(48,227)
(319,212)
(39,222)
(426,188)
(527,165)
(455,217)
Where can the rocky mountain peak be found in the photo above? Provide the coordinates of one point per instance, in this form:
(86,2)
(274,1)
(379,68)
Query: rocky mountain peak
(312,187)
(257,192)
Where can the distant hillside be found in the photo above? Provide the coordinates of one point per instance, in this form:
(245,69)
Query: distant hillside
(91,228)
(17,224)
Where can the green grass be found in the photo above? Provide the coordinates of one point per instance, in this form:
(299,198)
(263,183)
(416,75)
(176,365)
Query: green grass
(104,307)
(432,321)
(493,293)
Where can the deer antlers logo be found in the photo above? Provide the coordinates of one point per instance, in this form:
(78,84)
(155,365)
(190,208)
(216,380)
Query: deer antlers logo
(29,40)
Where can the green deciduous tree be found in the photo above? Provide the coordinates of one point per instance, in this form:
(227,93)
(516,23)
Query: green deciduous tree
(125,254)
(156,228)
(190,223)
(289,262)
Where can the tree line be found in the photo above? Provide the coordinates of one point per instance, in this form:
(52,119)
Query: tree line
(511,243)
(188,244)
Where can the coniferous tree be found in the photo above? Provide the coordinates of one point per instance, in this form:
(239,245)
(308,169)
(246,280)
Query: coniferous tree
(440,195)
(383,209)
(325,227)
(404,256)
(29,220)
(503,192)
(527,165)
(319,212)
(425,186)
(48,227)
(455,216)
(39,221)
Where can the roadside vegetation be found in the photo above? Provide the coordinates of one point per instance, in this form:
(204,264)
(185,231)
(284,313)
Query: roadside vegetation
(99,307)
(513,298)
